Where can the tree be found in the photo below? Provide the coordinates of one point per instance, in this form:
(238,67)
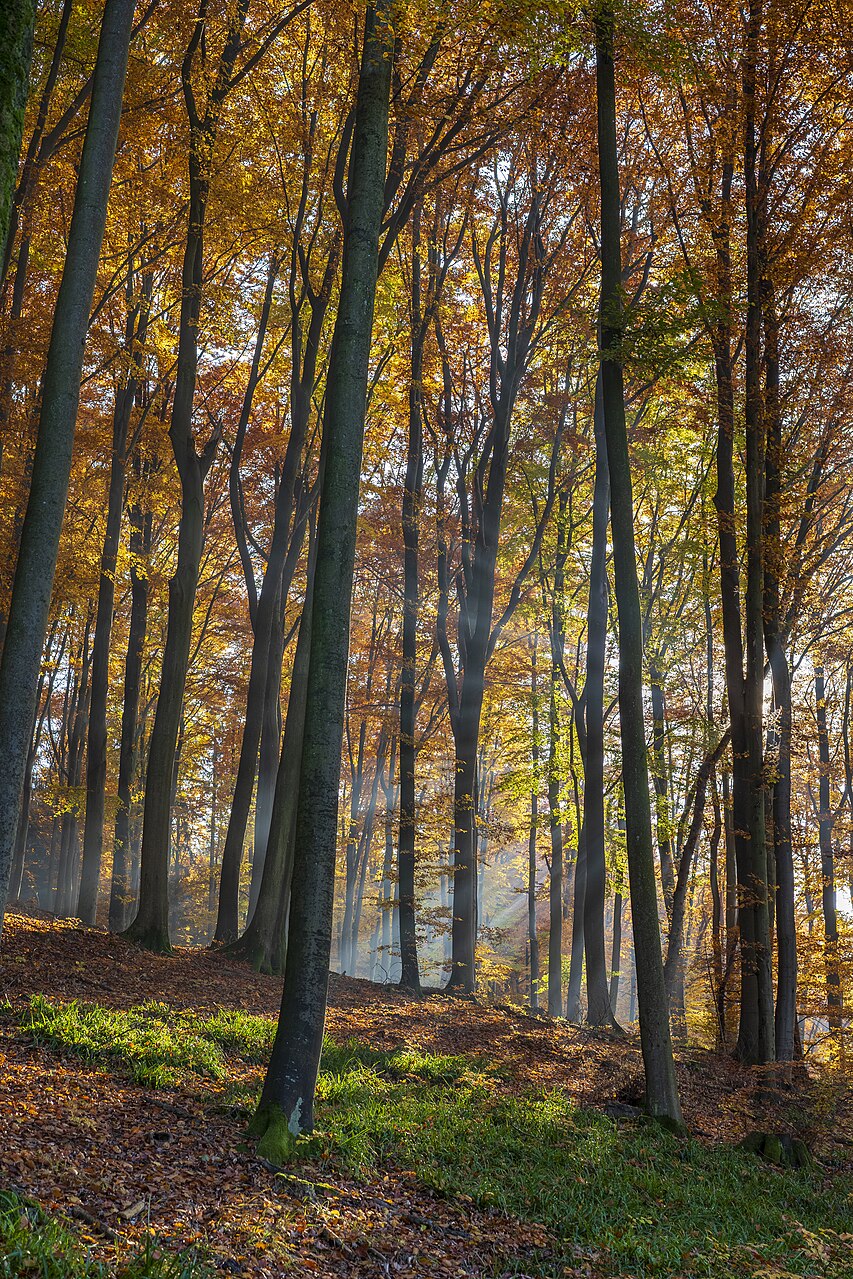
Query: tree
(40,534)
(661,1088)
(287,1101)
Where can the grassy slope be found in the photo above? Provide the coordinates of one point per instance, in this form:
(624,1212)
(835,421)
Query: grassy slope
(630,1200)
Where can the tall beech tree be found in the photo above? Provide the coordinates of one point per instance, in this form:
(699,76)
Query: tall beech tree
(206,84)
(287,1102)
(661,1087)
(28,611)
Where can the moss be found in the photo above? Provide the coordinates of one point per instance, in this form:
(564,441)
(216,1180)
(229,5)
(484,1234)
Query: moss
(670,1125)
(277,1137)
(800,1154)
(772,1149)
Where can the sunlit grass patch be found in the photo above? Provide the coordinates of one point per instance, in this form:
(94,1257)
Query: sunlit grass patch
(632,1201)
(157,1046)
(33,1243)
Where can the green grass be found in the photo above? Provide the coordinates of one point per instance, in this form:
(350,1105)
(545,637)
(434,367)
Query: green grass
(630,1200)
(634,1200)
(34,1244)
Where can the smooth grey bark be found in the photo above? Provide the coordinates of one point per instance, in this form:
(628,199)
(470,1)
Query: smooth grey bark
(556,884)
(150,928)
(826,821)
(17,21)
(96,746)
(28,611)
(411,515)
(287,1101)
(661,1087)
(66,884)
(775,645)
(673,974)
(598,1008)
(756,1031)
(660,779)
(532,936)
(121,888)
(616,948)
(263,943)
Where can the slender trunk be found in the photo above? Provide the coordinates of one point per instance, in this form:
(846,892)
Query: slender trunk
(673,968)
(786,926)
(28,611)
(96,750)
(287,1101)
(716,909)
(66,904)
(386,896)
(556,889)
(464,930)
(122,891)
(264,942)
(826,822)
(756,1037)
(17,879)
(573,996)
(661,1087)
(268,759)
(598,1008)
(532,938)
(150,928)
(660,778)
(412,500)
(616,949)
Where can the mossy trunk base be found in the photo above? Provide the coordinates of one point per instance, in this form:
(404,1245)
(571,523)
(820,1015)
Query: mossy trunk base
(778,1149)
(276,1136)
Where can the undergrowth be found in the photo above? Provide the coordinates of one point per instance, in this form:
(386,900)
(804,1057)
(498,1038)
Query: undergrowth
(629,1199)
(35,1244)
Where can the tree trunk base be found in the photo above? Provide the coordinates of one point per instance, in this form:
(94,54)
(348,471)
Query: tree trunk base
(275,1135)
(151,937)
(254,954)
(778,1149)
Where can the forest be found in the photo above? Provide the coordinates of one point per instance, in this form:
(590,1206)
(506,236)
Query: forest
(426,638)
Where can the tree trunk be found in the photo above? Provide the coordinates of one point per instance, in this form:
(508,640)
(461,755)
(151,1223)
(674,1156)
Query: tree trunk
(412,499)
(532,938)
(616,949)
(661,1088)
(96,750)
(264,942)
(826,821)
(556,887)
(287,1101)
(17,21)
(27,621)
(774,640)
(121,891)
(660,778)
(150,928)
(756,1037)
(598,1008)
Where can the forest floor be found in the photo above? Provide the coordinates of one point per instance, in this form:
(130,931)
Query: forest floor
(454,1138)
